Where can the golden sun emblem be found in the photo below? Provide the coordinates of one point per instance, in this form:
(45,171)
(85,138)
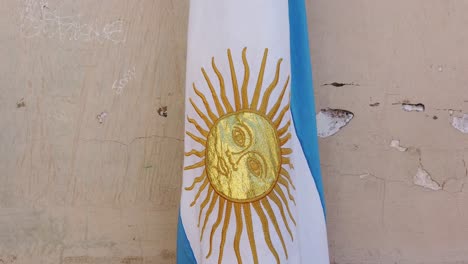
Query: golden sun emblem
(244,159)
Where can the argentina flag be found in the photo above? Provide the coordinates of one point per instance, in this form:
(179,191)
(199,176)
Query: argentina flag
(252,190)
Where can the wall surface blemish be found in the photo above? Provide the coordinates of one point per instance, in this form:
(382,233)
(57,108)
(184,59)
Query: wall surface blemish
(330,121)
(413,107)
(385,204)
(74,191)
(423,179)
(395,143)
(461,123)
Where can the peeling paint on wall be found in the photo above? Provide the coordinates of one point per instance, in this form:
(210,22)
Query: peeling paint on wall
(340,84)
(413,107)
(20,103)
(162,111)
(461,123)
(396,144)
(423,179)
(101,117)
(330,121)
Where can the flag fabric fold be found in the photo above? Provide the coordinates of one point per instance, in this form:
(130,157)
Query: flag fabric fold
(252,190)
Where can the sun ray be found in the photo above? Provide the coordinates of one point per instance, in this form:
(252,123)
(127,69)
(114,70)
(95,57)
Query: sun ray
(284,129)
(286,175)
(213,93)
(286,161)
(258,87)
(250,232)
(210,112)
(285,139)
(204,203)
(198,127)
(196,165)
(239,229)
(278,121)
(266,229)
(286,151)
(202,187)
(245,83)
(276,106)
(269,90)
(224,98)
(278,203)
(197,180)
(201,115)
(235,86)
(215,225)
(280,194)
(208,214)
(272,216)
(197,139)
(227,218)
(285,183)
(226,119)
(197,153)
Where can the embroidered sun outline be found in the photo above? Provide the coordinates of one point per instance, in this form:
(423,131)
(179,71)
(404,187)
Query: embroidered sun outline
(243,158)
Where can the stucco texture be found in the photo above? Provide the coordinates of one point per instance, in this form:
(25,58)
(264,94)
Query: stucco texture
(92,114)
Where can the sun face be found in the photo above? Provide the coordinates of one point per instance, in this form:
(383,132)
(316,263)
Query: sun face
(244,159)
(238,166)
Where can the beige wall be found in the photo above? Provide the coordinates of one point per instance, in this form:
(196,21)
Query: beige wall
(90,169)
(74,190)
(396,51)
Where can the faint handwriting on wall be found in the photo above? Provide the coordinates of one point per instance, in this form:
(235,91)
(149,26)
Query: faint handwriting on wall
(38,19)
(121,83)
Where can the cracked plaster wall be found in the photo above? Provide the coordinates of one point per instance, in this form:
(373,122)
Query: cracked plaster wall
(395,176)
(91,117)
(89,168)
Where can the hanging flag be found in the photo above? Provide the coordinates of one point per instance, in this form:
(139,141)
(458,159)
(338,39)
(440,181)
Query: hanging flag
(252,190)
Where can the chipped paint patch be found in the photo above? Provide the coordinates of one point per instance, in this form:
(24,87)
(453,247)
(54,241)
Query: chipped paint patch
(20,103)
(396,144)
(101,117)
(461,123)
(330,121)
(162,111)
(340,84)
(423,179)
(413,107)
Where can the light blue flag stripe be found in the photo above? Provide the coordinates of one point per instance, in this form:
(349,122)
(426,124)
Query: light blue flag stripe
(302,93)
(184,250)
